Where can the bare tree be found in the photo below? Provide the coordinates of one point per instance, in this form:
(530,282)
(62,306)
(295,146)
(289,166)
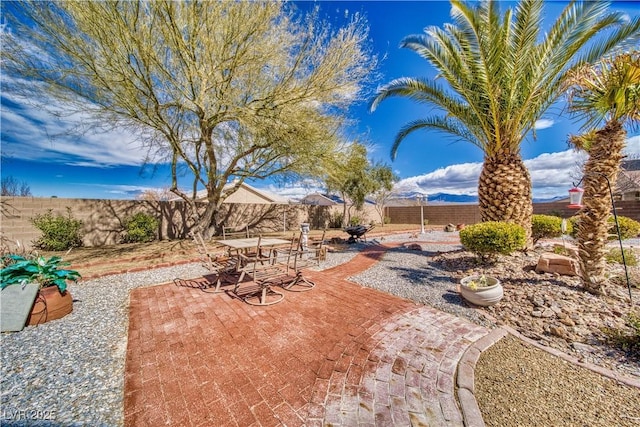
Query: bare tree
(12,187)
(220,90)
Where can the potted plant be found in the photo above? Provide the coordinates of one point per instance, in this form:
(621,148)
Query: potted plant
(481,290)
(53,300)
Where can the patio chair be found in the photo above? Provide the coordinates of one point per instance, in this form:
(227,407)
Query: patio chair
(302,259)
(235,233)
(221,266)
(264,271)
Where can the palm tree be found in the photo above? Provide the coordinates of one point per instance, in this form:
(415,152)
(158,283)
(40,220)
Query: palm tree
(502,74)
(608,92)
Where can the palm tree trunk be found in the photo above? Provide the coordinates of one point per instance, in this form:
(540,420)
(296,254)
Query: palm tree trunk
(504,191)
(604,160)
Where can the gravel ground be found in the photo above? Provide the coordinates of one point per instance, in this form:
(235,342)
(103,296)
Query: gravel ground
(534,388)
(87,350)
(410,274)
(85,354)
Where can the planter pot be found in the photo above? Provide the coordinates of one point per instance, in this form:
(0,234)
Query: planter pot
(482,295)
(50,304)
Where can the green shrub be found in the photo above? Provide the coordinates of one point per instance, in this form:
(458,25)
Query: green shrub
(355,220)
(614,256)
(488,239)
(547,226)
(629,228)
(387,220)
(139,228)
(59,232)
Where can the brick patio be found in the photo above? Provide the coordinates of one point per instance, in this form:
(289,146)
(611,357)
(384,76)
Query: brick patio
(340,355)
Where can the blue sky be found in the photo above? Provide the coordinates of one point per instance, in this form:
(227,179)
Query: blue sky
(37,147)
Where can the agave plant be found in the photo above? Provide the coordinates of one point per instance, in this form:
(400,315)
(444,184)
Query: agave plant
(44,271)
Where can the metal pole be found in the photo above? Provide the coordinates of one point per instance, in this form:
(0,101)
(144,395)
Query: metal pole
(615,218)
(421,215)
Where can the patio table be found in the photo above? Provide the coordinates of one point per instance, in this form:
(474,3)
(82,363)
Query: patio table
(252,242)
(262,269)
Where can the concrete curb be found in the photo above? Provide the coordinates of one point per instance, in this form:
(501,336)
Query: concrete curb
(465,377)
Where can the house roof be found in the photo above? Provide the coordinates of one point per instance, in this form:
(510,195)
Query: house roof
(318,199)
(249,195)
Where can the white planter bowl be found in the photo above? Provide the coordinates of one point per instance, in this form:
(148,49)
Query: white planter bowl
(483,296)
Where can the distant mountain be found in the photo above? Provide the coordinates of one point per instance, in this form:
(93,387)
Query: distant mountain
(451,198)
(438,198)
(552,199)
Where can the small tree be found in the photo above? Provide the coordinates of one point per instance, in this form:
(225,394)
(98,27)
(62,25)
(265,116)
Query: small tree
(221,90)
(383,180)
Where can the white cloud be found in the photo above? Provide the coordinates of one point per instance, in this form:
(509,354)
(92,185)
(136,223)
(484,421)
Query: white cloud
(552,175)
(30,133)
(543,124)
(632,147)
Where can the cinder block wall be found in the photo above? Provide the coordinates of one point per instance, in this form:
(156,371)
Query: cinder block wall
(103,219)
(470,214)
(435,214)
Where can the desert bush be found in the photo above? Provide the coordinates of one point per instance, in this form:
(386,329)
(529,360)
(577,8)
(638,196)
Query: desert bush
(547,226)
(628,340)
(336,220)
(614,256)
(59,232)
(629,228)
(488,239)
(139,228)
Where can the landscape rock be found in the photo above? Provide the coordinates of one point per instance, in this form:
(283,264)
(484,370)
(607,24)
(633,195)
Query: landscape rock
(554,263)
(414,247)
(449,228)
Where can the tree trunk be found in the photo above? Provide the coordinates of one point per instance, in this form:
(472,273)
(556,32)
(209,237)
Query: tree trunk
(604,160)
(504,191)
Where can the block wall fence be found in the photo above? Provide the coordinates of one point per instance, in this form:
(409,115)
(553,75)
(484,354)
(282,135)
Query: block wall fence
(103,219)
(470,213)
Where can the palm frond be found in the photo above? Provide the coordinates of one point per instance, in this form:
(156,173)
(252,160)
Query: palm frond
(444,124)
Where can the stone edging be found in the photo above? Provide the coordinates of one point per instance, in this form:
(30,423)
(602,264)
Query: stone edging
(465,377)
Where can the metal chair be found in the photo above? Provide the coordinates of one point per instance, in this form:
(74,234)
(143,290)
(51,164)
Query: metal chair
(222,267)
(264,272)
(302,259)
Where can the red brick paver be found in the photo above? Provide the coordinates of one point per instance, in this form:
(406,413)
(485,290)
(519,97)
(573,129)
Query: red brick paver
(340,354)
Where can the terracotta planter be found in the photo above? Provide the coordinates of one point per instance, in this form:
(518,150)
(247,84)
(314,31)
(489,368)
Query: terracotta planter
(50,304)
(482,295)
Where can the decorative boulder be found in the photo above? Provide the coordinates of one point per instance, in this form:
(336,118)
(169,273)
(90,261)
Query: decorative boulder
(553,263)
(413,247)
(449,228)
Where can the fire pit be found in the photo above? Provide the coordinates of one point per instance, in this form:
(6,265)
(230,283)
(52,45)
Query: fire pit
(357,232)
